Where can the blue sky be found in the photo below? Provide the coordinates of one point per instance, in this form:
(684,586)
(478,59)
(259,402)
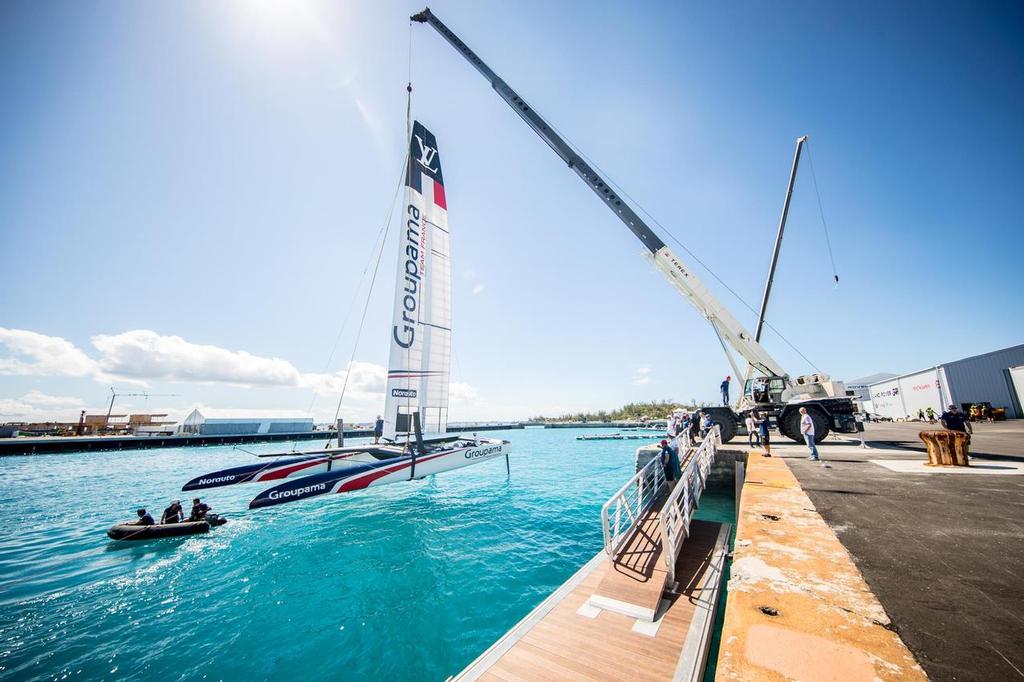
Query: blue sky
(191,191)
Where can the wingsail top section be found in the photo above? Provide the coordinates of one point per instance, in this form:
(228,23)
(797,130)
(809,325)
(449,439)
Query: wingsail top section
(420,335)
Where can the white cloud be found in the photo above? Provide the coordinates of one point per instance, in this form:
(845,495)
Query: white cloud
(642,375)
(37,406)
(143,355)
(478,288)
(34,354)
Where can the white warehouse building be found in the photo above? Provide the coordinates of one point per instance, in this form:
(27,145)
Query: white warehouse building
(240,424)
(985,378)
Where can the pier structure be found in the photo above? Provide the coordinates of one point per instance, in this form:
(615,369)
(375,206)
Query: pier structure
(58,444)
(873,565)
(643,607)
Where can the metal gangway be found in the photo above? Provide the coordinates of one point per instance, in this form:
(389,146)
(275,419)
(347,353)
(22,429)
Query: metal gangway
(645,525)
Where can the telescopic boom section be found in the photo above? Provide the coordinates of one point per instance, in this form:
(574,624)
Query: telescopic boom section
(727,326)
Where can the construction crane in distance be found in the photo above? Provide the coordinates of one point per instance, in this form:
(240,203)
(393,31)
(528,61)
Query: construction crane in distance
(114,395)
(772,392)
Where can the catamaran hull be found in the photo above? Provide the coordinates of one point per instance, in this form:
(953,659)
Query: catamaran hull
(381,473)
(264,471)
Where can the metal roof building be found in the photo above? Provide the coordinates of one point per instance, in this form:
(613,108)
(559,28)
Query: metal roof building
(858,389)
(197,423)
(982,378)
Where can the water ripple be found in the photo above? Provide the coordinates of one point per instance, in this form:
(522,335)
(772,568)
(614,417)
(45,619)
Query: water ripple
(409,581)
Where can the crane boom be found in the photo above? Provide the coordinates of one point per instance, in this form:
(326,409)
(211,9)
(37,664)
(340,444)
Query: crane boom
(726,326)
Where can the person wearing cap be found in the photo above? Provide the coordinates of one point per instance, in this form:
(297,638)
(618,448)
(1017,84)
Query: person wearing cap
(954,420)
(378,429)
(173,514)
(199,510)
(725,390)
(670,460)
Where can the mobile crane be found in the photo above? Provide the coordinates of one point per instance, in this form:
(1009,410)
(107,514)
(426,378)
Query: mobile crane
(768,388)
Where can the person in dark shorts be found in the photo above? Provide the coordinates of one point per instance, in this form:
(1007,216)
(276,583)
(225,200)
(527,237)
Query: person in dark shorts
(766,435)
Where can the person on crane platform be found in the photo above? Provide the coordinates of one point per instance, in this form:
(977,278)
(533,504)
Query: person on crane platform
(725,390)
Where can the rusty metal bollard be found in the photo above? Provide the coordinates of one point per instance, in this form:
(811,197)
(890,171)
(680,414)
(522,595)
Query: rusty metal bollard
(945,448)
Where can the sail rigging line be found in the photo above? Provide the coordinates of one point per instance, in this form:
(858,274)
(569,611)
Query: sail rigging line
(348,313)
(369,294)
(409,162)
(622,192)
(821,212)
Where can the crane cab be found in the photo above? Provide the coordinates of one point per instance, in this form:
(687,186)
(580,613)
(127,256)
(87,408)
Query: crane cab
(764,390)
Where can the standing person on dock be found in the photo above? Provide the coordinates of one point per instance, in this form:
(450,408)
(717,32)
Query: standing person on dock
(954,421)
(807,429)
(378,430)
(752,433)
(766,435)
(695,426)
(705,424)
(670,460)
(725,390)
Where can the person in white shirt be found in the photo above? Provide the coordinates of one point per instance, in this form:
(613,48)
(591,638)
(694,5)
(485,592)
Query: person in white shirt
(807,429)
(752,433)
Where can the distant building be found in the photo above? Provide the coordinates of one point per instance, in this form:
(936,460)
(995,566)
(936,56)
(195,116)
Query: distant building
(150,425)
(985,378)
(858,388)
(1017,377)
(198,424)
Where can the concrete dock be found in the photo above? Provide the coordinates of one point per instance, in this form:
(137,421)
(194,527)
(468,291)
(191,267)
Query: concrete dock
(881,561)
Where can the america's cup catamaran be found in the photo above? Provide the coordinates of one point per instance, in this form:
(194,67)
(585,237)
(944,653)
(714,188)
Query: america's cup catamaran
(416,398)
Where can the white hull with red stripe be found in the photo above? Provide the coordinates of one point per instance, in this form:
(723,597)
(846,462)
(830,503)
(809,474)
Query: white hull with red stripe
(364,474)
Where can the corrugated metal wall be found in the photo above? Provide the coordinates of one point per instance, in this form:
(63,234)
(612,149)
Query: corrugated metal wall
(983,378)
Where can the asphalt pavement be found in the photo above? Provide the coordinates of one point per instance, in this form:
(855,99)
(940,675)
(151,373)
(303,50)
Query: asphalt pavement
(943,552)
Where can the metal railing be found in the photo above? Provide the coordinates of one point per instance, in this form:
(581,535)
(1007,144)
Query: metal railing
(677,512)
(626,507)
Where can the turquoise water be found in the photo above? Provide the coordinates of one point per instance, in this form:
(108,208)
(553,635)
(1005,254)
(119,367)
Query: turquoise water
(403,582)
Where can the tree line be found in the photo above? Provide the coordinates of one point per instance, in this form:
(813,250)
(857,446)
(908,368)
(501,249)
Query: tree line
(654,409)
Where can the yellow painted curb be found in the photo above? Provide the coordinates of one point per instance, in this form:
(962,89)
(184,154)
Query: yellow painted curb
(798,608)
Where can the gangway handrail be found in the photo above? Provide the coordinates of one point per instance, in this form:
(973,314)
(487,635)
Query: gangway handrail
(677,512)
(624,509)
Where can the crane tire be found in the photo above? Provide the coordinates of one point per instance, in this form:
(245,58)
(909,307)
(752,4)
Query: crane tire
(792,425)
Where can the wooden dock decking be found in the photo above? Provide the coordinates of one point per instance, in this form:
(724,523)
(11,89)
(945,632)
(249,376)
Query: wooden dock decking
(637,578)
(567,638)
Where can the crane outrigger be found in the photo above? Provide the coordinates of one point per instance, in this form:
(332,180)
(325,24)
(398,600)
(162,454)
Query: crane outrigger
(769,389)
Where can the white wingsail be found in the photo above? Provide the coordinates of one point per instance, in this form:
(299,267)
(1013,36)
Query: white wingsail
(420,335)
(418,368)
